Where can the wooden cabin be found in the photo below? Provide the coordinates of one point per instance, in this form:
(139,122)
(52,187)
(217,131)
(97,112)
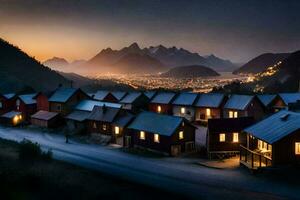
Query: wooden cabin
(26,104)
(64,100)
(134,101)
(267,100)
(183,106)
(162,103)
(76,120)
(169,135)
(243,106)
(46,119)
(282,100)
(273,141)
(42,100)
(209,106)
(224,136)
(119,127)
(6,102)
(12,118)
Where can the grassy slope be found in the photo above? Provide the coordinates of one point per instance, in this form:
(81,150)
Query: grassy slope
(58,180)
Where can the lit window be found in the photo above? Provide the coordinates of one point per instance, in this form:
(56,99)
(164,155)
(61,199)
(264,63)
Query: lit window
(104,127)
(142,135)
(208,112)
(235,137)
(180,135)
(20,117)
(297,148)
(94,125)
(159,109)
(156,138)
(182,110)
(117,130)
(222,137)
(16,119)
(235,114)
(18,104)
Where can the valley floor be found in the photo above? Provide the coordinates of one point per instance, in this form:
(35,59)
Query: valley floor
(181,175)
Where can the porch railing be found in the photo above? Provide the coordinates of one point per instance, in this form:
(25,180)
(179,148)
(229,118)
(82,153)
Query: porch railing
(252,159)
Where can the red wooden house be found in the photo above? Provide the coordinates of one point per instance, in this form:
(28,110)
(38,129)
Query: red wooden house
(42,100)
(26,104)
(6,103)
(162,103)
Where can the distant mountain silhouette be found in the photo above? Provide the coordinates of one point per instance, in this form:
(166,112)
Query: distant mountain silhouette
(190,72)
(286,78)
(107,59)
(56,63)
(18,72)
(261,63)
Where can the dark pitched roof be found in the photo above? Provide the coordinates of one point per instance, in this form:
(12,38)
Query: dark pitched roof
(44,115)
(88,105)
(186,99)
(9,96)
(212,100)
(150,94)
(266,99)
(289,97)
(28,98)
(78,115)
(62,95)
(100,95)
(275,127)
(103,113)
(123,119)
(131,97)
(156,123)
(118,94)
(11,114)
(238,102)
(163,97)
(229,124)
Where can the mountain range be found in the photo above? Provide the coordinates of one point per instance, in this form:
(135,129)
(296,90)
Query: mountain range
(133,59)
(261,63)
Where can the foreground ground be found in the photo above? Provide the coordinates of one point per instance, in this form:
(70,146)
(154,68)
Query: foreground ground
(50,179)
(176,175)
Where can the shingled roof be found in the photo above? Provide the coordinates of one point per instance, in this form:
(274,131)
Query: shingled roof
(103,113)
(289,97)
(211,100)
(163,97)
(88,105)
(266,99)
(186,99)
(28,98)
(275,127)
(238,102)
(131,97)
(62,95)
(156,123)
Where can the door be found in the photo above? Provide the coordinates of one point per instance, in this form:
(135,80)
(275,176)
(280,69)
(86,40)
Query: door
(127,142)
(175,150)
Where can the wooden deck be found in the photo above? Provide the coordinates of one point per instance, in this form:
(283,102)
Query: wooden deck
(253,160)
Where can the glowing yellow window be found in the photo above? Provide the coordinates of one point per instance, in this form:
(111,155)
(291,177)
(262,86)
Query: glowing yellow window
(159,109)
(208,112)
(180,135)
(230,114)
(117,130)
(235,114)
(142,135)
(235,137)
(156,138)
(297,148)
(182,110)
(222,137)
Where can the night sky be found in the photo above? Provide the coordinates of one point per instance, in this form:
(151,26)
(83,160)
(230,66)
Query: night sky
(236,30)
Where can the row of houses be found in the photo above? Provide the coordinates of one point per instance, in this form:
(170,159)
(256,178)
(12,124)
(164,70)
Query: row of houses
(165,122)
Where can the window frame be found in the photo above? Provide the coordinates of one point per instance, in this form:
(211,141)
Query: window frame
(220,137)
(297,148)
(181,135)
(156,138)
(142,135)
(237,137)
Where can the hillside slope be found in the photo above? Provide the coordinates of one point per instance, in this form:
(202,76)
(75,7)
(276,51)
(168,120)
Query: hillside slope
(190,72)
(18,72)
